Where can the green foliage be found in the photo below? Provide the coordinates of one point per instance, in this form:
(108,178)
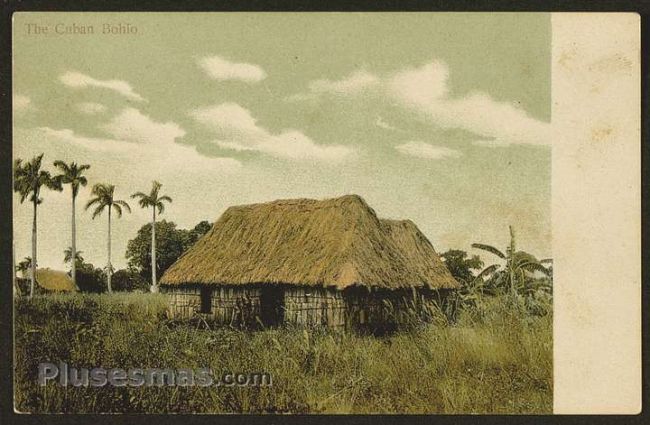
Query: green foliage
(67,256)
(517,275)
(129,280)
(91,279)
(72,174)
(495,359)
(29,178)
(153,199)
(171,243)
(104,197)
(24,265)
(460,266)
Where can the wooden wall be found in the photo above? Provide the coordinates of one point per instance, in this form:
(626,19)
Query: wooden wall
(308,306)
(314,306)
(236,306)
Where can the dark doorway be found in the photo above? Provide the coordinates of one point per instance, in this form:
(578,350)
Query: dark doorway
(272,305)
(206,300)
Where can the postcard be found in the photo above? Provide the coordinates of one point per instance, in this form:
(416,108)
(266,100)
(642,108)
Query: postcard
(316,213)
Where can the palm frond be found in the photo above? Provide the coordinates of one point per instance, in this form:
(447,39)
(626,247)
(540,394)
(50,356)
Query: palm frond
(92,202)
(487,271)
(534,267)
(98,210)
(122,204)
(489,248)
(139,195)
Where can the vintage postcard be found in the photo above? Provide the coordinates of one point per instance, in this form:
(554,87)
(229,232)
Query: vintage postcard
(326,213)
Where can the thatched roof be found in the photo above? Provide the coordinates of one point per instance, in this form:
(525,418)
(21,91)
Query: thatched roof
(54,280)
(336,242)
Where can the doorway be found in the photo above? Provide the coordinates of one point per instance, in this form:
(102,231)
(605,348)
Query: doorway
(272,305)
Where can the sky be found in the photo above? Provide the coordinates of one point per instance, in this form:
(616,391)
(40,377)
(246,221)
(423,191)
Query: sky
(441,118)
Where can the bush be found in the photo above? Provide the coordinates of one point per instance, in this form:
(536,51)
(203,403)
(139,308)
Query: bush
(128,280)
(91,279)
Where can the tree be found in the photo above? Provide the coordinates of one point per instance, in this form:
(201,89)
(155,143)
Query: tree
(156,202)
(199,230)
(171,243)
(72,174)
(460,266)
(24,265)
(129,280)
(29,179)
(105,199)
(90,278)
(517,263)
(67,258)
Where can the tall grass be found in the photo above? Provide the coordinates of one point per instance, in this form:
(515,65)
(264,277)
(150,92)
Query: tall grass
(494,359)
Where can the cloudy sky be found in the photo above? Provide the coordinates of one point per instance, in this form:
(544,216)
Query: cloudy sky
(440,118)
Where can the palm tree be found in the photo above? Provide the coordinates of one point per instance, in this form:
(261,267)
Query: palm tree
(155,201)
(104,198)
(24,265)
(517,263)
(29,179)
(78,259)
(72,174)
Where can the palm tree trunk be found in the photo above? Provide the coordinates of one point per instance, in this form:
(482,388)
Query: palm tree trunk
(74,246)
(13,268)
(109,267)
(154,285)
(511,260)
(33,274)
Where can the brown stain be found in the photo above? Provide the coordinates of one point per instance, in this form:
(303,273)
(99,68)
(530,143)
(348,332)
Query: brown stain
(567,57)
(601,134)
(612,64)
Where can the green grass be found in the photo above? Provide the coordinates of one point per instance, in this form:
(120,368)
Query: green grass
(494,360)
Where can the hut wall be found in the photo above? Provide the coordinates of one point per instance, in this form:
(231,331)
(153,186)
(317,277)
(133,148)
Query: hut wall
(230,305)
(380,310)
(184,301)
(235,306)
(357,307)
(312,306)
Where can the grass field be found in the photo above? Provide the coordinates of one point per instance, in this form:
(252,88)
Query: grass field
(495,359)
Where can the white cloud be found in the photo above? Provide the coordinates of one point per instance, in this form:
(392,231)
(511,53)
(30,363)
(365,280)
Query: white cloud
(476,112)
(78,80)
(91,108)
(427,151)
(21,103)
(420,86)
(132,125)
(425,91)
(238,130)
(222,69)
(159,140)
(143,140)
(352,84)
(88,143)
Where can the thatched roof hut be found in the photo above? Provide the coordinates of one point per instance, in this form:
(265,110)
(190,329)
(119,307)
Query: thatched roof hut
(47,281)
(336,242)
(329,245)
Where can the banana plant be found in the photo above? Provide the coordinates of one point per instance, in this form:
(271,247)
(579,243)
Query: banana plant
(512,274)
